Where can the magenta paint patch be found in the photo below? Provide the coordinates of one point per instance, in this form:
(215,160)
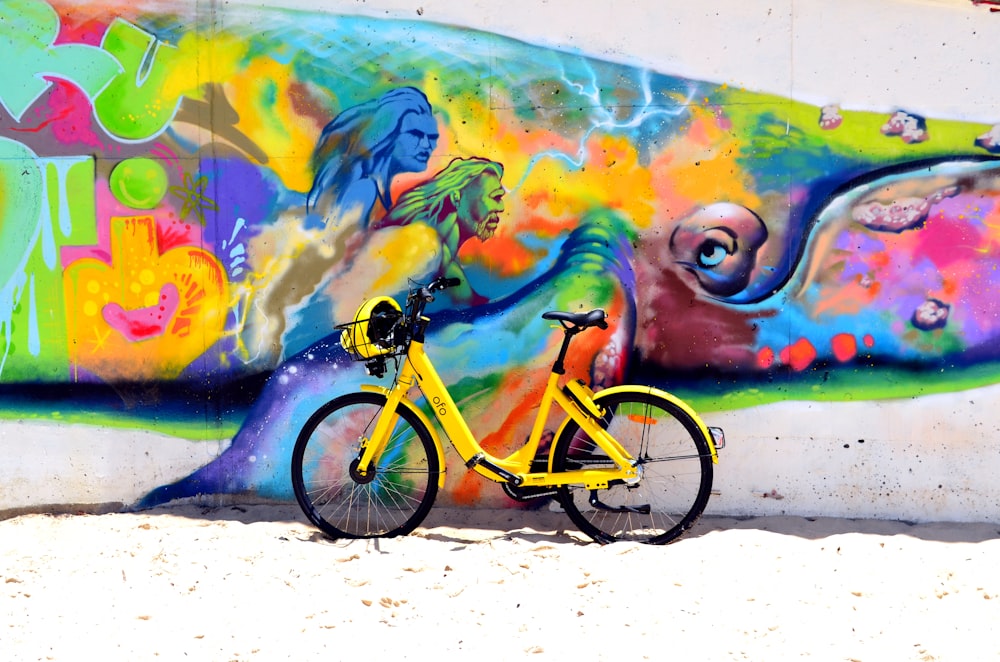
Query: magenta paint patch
(147,322)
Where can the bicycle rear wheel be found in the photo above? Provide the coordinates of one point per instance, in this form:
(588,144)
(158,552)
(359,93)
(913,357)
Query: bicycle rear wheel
(390,501)
(675,464)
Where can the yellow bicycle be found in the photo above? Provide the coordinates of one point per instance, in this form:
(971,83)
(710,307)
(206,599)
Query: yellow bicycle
(627,463)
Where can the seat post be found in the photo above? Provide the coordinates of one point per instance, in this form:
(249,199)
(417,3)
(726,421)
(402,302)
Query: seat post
(559,366)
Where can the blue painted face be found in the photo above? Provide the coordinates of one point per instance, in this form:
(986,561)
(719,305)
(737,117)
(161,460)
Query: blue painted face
(418,136)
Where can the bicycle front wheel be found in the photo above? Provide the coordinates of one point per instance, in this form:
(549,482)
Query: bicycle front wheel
(675,467)
(389,501)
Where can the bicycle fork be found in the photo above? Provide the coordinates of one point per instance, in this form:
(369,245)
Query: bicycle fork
(371,447)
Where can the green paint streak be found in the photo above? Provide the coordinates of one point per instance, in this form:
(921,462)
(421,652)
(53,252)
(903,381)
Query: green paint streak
(52,363)
(21,186)
(267,101)
(841,384)
(190,430)
(859,136)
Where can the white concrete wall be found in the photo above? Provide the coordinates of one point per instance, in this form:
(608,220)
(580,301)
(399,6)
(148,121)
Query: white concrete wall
(933,458)
(930,458)
(47,467)
(933,57)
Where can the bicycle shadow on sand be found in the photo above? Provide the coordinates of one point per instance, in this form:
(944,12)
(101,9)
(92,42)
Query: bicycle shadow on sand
(468,525)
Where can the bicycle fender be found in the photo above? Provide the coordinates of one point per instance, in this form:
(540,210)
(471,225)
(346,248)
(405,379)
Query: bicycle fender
(372,388)
(634,388)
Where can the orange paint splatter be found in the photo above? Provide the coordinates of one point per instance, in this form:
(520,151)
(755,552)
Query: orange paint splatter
(504,256)
(467,491)
(880,260)
(704,167)
(845,346)
(851,299)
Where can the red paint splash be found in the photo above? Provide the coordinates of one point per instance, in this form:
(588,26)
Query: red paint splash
(765,358)
(66,115)
(74,30)
(844,346)
(173,232)
(798,355)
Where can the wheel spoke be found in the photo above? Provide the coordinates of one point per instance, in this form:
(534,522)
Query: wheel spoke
(677,471)
(393,501)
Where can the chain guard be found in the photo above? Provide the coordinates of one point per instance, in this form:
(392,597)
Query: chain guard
(527,493)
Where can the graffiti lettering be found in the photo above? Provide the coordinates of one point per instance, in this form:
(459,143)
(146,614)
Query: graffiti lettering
(31,235)
(124,78)
(21,183)
(133,105)
(157,311)
(27,31)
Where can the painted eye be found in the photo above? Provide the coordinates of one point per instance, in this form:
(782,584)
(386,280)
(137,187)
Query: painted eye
(711,253)
(718,245)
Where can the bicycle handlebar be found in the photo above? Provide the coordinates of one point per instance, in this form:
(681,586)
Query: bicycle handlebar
(411,325)
(424,294)
(444,283)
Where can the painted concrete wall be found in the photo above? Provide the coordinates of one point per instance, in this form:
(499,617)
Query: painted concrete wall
(789,209)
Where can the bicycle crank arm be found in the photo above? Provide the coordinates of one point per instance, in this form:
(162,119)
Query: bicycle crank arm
(479,460)
(598,504)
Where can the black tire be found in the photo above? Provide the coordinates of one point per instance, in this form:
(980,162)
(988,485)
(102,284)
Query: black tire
(394,501)
(676,466)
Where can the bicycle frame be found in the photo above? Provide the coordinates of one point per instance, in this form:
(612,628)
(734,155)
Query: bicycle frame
(417,369)
(608,443)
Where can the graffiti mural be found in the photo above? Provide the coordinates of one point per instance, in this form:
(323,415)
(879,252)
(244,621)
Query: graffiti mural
(189,205)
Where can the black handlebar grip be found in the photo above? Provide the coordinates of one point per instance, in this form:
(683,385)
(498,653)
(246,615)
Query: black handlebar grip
(427,292)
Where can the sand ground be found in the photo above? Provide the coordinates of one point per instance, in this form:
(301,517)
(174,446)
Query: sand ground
(259,583)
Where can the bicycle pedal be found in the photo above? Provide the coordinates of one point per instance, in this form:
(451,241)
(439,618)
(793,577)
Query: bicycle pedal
(479,460)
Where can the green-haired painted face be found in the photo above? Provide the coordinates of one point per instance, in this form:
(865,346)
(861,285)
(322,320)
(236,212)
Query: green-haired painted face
(480,205)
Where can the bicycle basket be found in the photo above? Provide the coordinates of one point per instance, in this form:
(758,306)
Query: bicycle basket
(370,335)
